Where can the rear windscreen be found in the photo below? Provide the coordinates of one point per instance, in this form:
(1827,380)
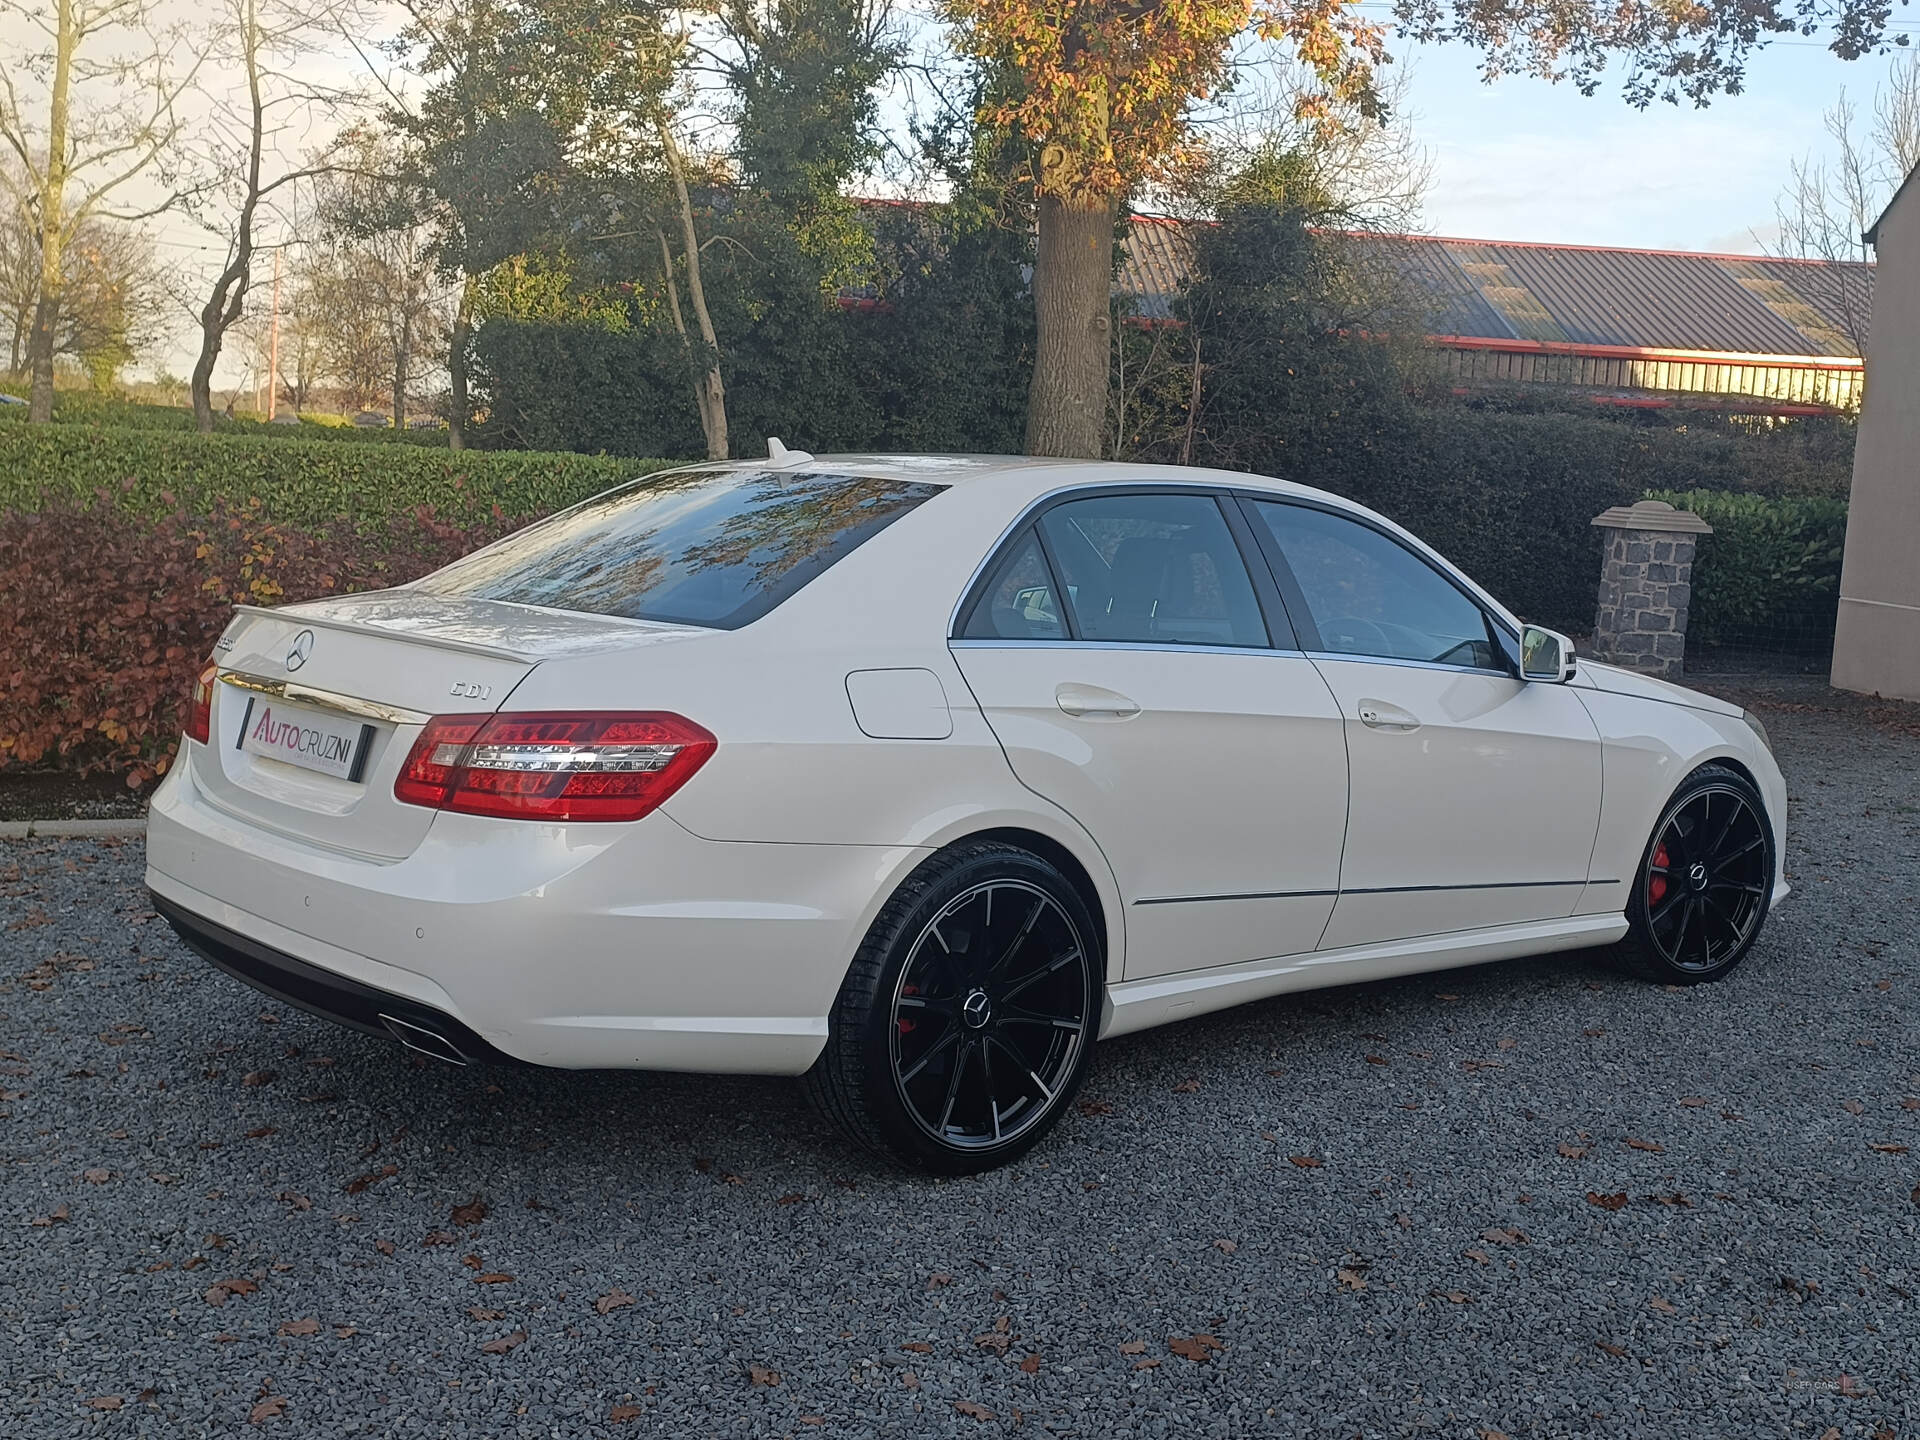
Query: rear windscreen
(718,547)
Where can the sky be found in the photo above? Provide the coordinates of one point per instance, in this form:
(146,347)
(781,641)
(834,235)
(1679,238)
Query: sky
(1522,159)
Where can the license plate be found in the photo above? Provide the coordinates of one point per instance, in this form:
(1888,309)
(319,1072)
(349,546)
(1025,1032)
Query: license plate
(311,739)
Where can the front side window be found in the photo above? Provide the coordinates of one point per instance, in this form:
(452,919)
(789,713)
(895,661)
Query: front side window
(1153,569)
(718,548)
(1369,595)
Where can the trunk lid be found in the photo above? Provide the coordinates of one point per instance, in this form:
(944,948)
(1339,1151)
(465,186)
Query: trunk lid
(371,669)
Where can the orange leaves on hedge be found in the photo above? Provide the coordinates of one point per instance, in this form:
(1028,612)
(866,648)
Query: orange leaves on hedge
(110,615)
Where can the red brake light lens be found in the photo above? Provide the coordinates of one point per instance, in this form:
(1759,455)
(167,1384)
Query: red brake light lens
(200,706)
(575,765)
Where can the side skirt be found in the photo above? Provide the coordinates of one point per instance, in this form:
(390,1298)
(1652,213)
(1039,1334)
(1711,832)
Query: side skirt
(1141,1004)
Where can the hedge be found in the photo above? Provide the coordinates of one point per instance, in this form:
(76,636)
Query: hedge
(90,407)
(1769,574)
(297,482)
(110,614)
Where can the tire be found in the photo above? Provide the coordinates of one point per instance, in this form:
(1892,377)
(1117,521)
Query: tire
(985,956)
(1704,882)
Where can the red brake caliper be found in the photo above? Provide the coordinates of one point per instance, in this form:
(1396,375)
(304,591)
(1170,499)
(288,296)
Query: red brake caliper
(905,1024)
(1657,886)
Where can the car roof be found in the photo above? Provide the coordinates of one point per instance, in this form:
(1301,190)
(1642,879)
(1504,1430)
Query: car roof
(1043,474)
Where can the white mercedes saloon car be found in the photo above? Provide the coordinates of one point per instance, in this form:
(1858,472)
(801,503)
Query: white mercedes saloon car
(915,775)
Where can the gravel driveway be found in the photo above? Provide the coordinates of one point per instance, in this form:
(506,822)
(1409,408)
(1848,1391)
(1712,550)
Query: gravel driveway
(1534,1198)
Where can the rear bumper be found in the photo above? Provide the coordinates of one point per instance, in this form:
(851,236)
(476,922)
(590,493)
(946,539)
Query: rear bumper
(323,993)
(586,946)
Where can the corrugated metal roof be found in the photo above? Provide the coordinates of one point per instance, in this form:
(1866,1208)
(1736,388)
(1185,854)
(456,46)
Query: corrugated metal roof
(1580,294)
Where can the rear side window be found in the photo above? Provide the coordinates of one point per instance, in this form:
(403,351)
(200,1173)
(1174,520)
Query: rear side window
(1154,569)
(1019,603)
(714,548)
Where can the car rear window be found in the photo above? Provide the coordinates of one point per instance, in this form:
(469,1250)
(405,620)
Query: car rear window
(718,548)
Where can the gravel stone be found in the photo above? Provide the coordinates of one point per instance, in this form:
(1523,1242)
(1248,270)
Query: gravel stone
(1761,1279)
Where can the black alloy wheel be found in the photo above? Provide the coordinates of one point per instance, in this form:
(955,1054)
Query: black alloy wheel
(968,1018)
(1705,880)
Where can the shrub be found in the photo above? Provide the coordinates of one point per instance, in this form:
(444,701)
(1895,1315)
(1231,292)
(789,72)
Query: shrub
(111,615)
(1769,574)
(298,483)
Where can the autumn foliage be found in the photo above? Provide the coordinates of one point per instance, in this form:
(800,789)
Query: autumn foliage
(111,614)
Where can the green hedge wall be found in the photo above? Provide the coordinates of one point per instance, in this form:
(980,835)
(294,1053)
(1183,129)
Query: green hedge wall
(297,482)
(1769,574)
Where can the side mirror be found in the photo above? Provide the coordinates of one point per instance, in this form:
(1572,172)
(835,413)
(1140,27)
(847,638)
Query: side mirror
(1545,656)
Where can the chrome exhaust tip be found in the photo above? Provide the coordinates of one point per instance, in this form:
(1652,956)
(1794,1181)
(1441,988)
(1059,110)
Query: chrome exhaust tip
(423,1041)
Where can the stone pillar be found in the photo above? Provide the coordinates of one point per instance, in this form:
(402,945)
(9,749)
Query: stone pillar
(1646,582)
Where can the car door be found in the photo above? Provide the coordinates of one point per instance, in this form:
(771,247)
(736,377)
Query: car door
(1139,673)
(1475,796)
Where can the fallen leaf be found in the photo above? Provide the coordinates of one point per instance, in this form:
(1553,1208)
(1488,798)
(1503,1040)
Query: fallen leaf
(1147,1364)
(1030,1365)
(1377,1060)
(257,1078)
(1188,1086)
(993,1340)
(760,1375)
(1886,1147)
(1352,1279)
(620,1414)
(909,1379)
(793,1198)
(484,1315)
(1593,1032)
(1651,1146)
(59,1215)
(96,1177)
(1853,1107)
(1457,1297)
(1506,1237)
(1507,1044)
(1665,1307)
(260,1132)
(972,1410)
(918,1347)
(938,1279)
(217,1293)
(504,1343)
(1615,1201)
(613,1300)
(1094,1107)
(1194,1347)
(271,1408)
(1479,1255)
(385,1247)
(1693,1102)
(105,1402)
(1305,1162)
(1617,1351)
(471,1213)
(1487,1434)
(1674,1199)
(298,1328)
(345,1332)
(296,1202)
(1226,1247)
(1133,1347)
(493,1277)
(438,1237)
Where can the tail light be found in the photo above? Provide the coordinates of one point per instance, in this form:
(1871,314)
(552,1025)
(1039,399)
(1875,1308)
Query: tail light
(586,765)
(200,707)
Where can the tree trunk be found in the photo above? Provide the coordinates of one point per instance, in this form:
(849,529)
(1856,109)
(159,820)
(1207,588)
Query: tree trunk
(1073,314)
(401,358)
(457,403)
(228,300)
(53,219)
(713,412)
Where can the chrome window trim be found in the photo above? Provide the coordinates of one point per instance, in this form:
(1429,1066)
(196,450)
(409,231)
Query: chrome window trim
(1197,648)
(1409,664)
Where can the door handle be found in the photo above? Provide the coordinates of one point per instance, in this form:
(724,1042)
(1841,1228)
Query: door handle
(1378,715)
(1092,700)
